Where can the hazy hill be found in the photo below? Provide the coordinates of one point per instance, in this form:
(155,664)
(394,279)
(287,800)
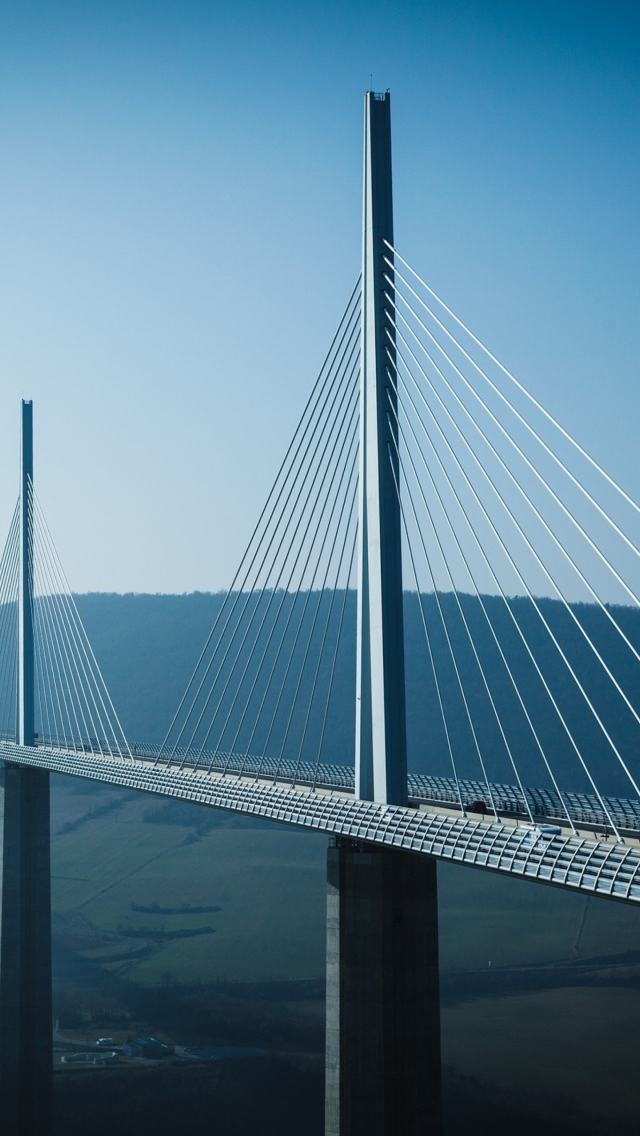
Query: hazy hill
(147,646)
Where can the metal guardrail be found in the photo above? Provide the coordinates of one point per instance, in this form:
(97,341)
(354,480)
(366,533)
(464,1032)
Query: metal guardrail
(583,808)
(543,804)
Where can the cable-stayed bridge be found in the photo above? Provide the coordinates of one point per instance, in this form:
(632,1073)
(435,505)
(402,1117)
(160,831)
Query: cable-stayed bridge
(430,650)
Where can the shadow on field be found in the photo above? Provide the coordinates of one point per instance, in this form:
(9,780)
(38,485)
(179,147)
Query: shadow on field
(265,1096)
(282,1093)
(276,1096)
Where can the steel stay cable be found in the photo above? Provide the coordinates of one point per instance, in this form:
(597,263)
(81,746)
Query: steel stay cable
(71,655)
(95,678)
(321,542)
(51,693)
(531,547)
(473,580)
(320,424)
(516,382)
(317,393)
(54,585)
(9,650)
(8,601)
(520,418)
(498,584)
(472,644)
(292,607)
(8,556)
(333,665)
(433,663)
(284,474)
(461,550)
(41,713)
(9,568)
(50,640)
(80,693)
(321,591)
(513,565)
(8,551)
(623,584)
(308,413)
(310,518)
(435,673)
(94,686)
(450,646)
(42,677)
(76,702)
(344,445)
(88,662)
(549,577)
(480,600)
(326,448)
(65,729)
(319,470)
(327,624)
(603,607)
(63,645)
(51,646)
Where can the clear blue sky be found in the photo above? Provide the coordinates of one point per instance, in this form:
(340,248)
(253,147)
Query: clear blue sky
(179,230)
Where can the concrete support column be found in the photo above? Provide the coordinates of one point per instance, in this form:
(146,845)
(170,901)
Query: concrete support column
(25,954)
(383,1010)
(26,1033)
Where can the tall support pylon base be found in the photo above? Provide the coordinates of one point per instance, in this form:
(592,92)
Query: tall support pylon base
(26,1035)
(25,955)
(383,1008)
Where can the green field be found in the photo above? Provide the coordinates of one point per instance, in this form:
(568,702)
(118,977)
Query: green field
(268,881)
(508,922)
(516,1012)
(578,1044)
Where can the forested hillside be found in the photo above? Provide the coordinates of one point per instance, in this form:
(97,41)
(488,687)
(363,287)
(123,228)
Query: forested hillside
(147,646)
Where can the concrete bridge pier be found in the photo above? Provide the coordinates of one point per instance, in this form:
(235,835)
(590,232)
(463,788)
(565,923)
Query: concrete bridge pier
(383,1008)
(26,1033)
(25,954)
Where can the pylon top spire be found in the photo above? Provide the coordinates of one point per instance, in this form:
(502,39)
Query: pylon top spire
(381,764)
(25,725)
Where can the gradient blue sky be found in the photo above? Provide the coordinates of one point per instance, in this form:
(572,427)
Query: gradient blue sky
(180,228)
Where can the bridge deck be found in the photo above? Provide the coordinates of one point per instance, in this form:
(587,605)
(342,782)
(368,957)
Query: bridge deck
(545,804)
(510,847)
